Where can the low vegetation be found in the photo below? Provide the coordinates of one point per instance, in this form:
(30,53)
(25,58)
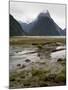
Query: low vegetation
(35,40)
(36,78)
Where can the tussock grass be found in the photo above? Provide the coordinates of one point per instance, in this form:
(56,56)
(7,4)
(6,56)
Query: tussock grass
(36,78)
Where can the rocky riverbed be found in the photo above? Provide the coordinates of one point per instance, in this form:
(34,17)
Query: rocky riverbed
(36,66)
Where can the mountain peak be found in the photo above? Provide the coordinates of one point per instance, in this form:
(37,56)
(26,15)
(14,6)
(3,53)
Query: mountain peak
(44,14)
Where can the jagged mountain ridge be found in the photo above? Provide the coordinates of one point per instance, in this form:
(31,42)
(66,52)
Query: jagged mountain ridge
(44,25)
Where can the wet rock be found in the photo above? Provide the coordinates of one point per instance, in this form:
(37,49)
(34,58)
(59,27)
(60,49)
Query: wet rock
(23,66)
(60,59)
(42,63)
(18,65)
(12,79)
(17,51)
(27,60)
(34,43)
(39,47)
(38,55)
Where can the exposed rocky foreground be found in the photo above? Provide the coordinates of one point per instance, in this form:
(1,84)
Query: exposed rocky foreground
(33,66)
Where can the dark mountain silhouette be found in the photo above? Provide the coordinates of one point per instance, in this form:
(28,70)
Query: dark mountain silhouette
(26,27)
(64,31)
(45,26)
(15,28)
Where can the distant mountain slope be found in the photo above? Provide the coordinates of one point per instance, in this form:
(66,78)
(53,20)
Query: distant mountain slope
(15,28)
(64,31)
(45,26)
(26,27)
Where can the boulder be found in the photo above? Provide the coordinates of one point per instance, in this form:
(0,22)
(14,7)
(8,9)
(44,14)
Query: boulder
(27,60)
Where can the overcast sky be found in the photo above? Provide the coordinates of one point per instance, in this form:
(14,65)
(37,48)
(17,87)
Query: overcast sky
(27,12)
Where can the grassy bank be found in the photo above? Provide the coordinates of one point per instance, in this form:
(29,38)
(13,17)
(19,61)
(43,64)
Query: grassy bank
(36,40)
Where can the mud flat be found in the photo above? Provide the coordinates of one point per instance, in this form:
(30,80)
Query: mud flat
(36,39)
